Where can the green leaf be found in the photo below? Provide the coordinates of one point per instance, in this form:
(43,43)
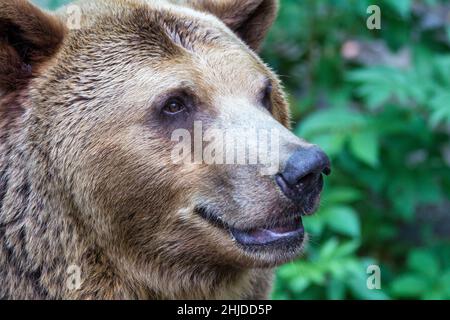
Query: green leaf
(423,262)
(439,116)
(327,250)
(409,286)
(375,94)
(299,284)
(344,220)
(288,271)
(347,248)
(331,121)
(332,144)
(440,106)
(314,273)
(365,147)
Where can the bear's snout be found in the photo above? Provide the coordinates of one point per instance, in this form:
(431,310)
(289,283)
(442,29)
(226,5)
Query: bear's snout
(301,180)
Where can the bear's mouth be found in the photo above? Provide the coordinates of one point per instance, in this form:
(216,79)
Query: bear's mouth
(282,233)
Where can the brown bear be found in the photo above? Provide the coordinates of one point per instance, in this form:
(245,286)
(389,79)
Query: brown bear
(92,203)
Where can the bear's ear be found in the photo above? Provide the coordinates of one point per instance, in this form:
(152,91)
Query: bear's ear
(28,38)
(250,19)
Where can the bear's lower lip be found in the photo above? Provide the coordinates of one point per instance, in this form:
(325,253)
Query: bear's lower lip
(286,233)
(292,231)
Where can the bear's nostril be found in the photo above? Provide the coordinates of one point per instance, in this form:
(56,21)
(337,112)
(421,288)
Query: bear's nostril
(302,174)
(307,179)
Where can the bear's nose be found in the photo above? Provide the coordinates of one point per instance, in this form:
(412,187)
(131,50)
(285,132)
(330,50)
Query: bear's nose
(302,174)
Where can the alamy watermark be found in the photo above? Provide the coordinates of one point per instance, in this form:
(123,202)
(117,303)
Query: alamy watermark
(374,279)
(73,281)
(74,15)
(228,147)
(374,20)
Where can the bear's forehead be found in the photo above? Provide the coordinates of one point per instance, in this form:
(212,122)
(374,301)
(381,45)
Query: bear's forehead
(158,23)
(126,35)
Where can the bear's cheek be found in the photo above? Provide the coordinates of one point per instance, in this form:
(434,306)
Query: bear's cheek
(137,173)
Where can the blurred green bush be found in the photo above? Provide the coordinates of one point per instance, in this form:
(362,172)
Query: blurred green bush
(378,101)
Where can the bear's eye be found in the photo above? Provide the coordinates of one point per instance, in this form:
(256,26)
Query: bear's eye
(267,96)
(174,106)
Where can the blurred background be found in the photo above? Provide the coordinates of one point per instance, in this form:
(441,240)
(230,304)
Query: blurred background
(378,101)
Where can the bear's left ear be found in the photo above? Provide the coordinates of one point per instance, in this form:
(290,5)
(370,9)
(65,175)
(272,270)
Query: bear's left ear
(250,19)
(28,38)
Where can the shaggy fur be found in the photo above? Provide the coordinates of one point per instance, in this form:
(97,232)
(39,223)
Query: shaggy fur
(85,172)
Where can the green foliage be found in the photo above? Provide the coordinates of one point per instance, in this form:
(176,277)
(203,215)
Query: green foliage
(386,127)
(424,278)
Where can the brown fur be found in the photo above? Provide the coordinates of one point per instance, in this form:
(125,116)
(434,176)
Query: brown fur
(20,24)
(85,171)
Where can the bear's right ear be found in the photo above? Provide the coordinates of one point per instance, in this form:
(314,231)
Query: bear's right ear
(250,19)
(28,38)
